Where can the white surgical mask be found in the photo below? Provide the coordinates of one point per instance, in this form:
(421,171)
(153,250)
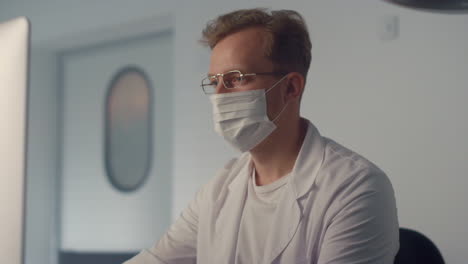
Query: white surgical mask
(241,117)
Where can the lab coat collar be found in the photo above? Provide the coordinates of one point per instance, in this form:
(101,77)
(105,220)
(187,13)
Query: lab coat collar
(241,171)
(308,161)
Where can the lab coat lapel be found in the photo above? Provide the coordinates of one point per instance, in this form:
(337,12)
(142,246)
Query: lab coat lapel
(228,222)
(288,213)
(287,217)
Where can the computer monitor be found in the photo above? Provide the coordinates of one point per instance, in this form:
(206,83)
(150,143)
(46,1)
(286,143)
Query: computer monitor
(14,61)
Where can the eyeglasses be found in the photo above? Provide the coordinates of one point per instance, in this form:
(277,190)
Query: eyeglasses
(231,80)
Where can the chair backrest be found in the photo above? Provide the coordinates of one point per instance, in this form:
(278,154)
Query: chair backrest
(417,248)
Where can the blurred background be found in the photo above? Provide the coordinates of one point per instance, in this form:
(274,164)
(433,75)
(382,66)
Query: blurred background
(109,169)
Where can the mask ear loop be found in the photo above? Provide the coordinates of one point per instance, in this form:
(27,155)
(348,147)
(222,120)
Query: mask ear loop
(276,83)
(278,115)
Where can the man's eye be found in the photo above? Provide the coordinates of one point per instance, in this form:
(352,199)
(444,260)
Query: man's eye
(233,80)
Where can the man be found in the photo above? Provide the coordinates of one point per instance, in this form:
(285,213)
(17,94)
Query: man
(292,196)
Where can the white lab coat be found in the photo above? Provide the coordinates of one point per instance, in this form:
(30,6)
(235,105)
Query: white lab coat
(337,207)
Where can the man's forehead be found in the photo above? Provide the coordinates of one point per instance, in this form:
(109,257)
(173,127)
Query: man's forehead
(250,65)
(243,50)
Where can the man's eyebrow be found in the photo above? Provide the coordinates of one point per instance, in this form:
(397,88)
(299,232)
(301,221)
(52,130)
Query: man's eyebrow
(233,68)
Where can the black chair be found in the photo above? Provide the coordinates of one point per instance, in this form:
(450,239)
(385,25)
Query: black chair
(416,248)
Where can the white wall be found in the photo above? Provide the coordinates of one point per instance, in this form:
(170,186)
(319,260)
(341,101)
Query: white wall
(400,103)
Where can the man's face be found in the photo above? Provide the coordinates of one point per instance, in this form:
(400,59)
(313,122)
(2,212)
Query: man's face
(244,51)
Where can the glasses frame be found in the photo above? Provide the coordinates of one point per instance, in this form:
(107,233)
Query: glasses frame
(242,75)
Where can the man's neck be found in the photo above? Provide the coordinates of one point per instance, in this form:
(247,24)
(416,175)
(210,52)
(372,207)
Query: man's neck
(276,156)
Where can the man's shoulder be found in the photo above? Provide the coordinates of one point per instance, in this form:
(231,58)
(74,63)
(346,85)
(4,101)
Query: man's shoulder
(347,181)
(343,168)
(335,152)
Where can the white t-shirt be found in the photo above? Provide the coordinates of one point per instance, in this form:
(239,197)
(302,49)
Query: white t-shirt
(255,225)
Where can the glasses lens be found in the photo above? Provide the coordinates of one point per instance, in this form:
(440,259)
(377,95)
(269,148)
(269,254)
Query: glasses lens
(232,79)
(209,84)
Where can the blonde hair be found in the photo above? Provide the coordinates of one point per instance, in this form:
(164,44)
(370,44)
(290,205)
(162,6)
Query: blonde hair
(288,43)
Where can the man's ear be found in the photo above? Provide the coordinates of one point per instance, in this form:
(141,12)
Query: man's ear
(295,86)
